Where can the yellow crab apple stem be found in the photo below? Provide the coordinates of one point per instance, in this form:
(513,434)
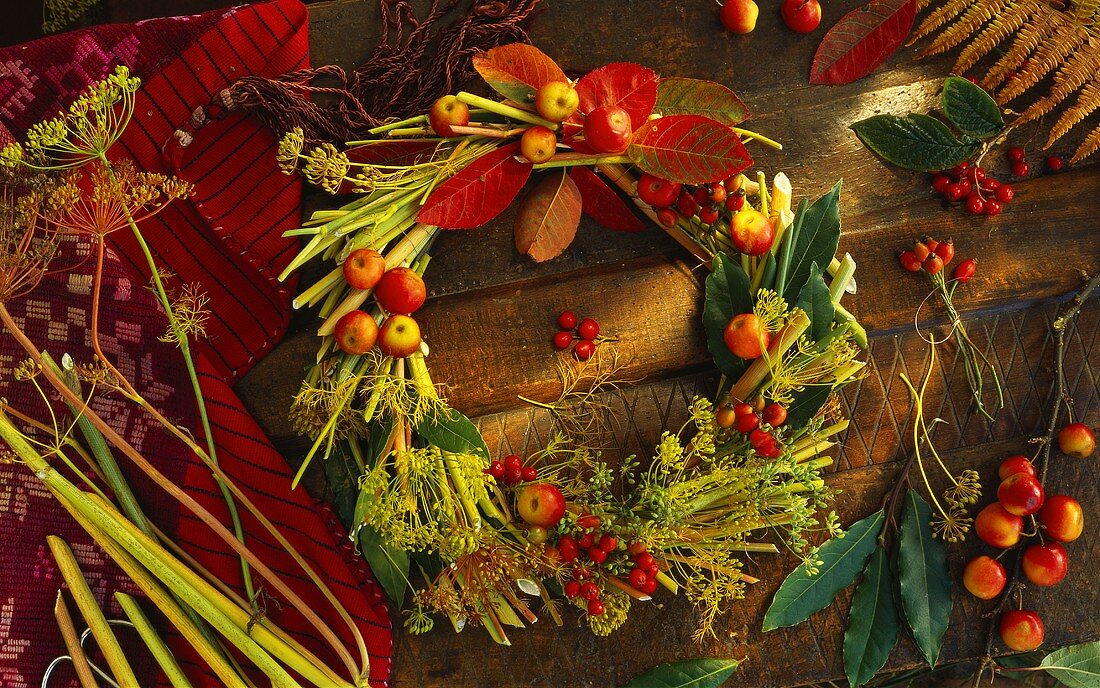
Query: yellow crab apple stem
(506,110)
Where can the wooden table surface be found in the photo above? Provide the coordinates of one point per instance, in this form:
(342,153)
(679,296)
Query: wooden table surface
(492,311)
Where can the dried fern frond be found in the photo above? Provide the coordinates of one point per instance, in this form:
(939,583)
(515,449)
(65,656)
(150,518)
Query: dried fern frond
(1041,41)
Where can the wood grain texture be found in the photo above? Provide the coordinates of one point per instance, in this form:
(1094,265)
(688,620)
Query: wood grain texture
(492,312)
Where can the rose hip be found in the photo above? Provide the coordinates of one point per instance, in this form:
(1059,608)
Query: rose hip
(965,270)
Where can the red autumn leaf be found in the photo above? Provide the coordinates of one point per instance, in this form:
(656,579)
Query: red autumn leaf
(517,70)
(398,152)
(548,218)
(479,192)
(689,149)
(862,40)
(602,204)
(682,96)
(625,84)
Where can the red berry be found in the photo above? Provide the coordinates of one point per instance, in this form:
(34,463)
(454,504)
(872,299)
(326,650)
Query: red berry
(930,243)
(974,204)
(946,251)
(992,207)
(588,329)
(965,270)
(1054,163)
(590,591)
(735,202)
(513,461)
(760,437)
(667,217)
(717,194)
(567,320)
(989,184)
(585,541)
(743,410)
(608,543)
(686,204)
(702,196)
(1020,169)
(966,186)
(584,349)
(496,469)
(1005,193)
(644,560)
(802,16)
(635,548)
(638,578)
(572,589)
(954,192)
(657,192)
(708,215)
(1015,154)
(940,182)
(529,474)
(976,174)
(774,415)
(588,521)
(746,423)
(910,261)
(513,476)
(562,340)
(579,573)
(770,451)
(933,264)
(651,585)
(595,608)
(568,548)
(597,555)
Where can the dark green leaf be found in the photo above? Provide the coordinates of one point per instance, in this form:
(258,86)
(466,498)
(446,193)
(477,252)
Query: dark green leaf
(841,559)
(816,242)
(727,295)
(451,431)
(970,108)
(1021,661)
(1076,666)
(389,564)
(815,300)
(872,622)
(693,673)
(342,476)
(925,581)
(915,142)
(806,404)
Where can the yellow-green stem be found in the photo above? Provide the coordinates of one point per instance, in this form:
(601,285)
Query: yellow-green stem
(157,648)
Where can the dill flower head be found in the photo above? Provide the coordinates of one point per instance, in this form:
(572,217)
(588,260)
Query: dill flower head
(966,490)
(616,607)
(290,149)
(953,525)
(189,309)
(418,621)
(326,167)
(26,244)
(114,197)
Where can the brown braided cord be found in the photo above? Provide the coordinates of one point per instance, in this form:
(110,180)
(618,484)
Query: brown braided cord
(416,61)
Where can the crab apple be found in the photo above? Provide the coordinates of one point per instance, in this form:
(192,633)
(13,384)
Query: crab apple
(802,16)
(356,332)
(984,577)
(1077,440)
(364,267)
(399,336)
(751,232)
(538,144)
(607,129)
(556,100)
(1013,465)
(1021,630)
(1046,565)
(745,336)
(725,416)
(446,112)
(774,415)
(739,16)
(401,291)
(659,193)
(1021,494)
(1063,518)
(541,504)
(997,527)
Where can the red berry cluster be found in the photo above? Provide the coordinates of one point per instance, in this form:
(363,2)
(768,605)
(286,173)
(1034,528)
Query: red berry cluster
(747,422)
(590,551)
(586,333)
(673,200)
(512,471)
(1001,525)
(1020,168)
(980,193)
(931,255)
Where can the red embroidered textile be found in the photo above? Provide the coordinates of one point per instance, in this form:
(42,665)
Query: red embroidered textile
(228,240)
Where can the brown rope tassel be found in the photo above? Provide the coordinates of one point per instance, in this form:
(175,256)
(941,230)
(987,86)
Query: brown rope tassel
(416,61)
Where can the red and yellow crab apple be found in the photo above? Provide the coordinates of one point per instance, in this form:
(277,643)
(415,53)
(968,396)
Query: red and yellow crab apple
(1046,564)
(363,268)
(1077,440)
(739,16)
(997,527)
(356,332)
(751,232)
(802,16)
(607,129)
(448,111)
(1021,630)
(538,144)
(657,192)
(399,336)
(1013,465)
(984,577)
(746,336)
(1063,518)
(556,100)
(1021,494)
(541,504)
(401,291)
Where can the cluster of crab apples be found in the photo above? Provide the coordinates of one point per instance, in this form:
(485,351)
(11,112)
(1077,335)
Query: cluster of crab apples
(399,291)
(605,129)
(1057,520)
